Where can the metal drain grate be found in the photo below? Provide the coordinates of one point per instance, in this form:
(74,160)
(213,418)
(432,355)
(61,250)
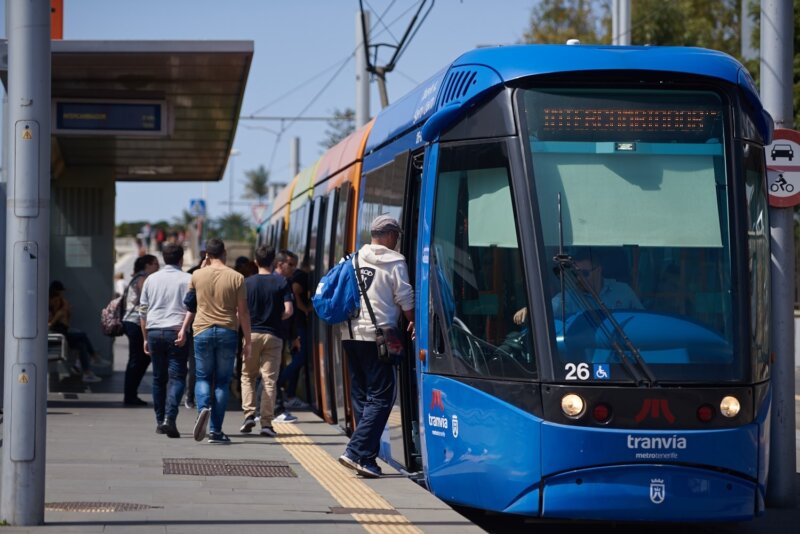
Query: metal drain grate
(96,507)
(230,468)
(376,511)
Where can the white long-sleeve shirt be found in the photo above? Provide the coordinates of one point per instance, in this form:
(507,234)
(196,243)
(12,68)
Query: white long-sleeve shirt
(385,274)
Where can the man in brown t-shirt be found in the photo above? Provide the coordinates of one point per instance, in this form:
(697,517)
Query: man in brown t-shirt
(217,303)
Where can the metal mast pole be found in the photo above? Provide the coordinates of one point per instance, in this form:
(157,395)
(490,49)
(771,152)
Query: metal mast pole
(625,22)
(294,158)
(777,40)
(362,76)
(27,245)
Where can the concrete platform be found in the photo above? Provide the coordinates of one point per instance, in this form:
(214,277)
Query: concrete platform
(105,456)
(99,451)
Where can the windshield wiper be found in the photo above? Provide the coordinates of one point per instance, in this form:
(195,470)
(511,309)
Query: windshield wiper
(631,359)
(640,372)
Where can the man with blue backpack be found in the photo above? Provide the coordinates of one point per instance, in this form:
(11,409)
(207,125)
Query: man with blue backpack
(375,278)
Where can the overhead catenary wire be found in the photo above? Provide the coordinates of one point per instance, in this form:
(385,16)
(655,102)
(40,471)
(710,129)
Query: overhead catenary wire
(288,122)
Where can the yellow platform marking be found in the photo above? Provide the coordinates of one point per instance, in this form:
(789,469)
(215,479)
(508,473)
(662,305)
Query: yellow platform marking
(341,483)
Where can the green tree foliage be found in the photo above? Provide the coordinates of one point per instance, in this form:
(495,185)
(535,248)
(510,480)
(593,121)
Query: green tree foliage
(231,227)
(708,24)
(342,125)
(701,23)
(555,21)
(256,185)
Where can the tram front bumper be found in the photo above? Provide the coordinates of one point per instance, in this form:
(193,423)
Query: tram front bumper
(648,492)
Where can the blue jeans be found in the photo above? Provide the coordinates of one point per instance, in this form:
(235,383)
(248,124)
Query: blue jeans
(215,356)
(372,395)
(169,372)
(291,373)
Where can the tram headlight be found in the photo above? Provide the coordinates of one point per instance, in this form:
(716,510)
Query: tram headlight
(572,405)
(729,407)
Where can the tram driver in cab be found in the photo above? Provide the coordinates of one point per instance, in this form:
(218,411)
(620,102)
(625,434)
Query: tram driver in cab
(614,294)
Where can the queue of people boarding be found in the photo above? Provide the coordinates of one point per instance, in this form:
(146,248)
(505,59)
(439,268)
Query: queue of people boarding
(212,323)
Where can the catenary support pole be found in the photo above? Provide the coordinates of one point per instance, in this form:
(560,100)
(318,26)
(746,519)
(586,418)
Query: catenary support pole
(362,76)
(777,38)
(27,264)
(294,158)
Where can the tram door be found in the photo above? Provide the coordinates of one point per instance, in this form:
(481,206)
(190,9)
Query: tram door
(340,210)
(406,400)
(318,336)
(321,332)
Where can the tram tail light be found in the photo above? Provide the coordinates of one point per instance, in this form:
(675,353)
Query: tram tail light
(730,406)
(572,405)
(601,413)
(705,413)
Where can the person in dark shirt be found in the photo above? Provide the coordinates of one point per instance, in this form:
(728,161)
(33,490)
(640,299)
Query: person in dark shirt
(299,347)
(269,300)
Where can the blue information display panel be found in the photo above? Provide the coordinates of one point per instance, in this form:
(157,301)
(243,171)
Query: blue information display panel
(109,117)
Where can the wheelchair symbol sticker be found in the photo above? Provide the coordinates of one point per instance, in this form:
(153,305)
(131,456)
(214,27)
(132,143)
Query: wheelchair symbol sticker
(602,371)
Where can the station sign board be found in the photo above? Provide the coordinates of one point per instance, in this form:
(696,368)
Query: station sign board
(110,117)
(783,168)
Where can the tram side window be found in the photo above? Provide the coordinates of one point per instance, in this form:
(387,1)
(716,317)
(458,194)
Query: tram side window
(298,230)
(759,256)
(340,232)
(383,193)
(478,265)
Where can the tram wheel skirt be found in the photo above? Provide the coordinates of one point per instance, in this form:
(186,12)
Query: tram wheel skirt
(648,493)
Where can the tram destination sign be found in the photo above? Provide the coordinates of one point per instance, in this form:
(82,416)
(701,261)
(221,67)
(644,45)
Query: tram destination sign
(783,168)
(110,117)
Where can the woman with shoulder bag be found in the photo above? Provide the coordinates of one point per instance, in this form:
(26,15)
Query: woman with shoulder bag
(138,360)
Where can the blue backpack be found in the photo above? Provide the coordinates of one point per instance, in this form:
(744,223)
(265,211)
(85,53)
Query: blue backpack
(337,298)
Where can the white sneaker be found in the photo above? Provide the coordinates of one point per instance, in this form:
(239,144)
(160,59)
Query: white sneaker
(285,417)
(295,403)
(91,378)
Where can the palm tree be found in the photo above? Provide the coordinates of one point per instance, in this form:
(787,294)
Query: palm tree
(256,184)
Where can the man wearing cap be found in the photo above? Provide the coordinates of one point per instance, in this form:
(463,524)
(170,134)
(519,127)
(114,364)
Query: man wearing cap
(372,382)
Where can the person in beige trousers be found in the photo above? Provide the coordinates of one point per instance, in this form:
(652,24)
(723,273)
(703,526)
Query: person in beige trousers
(269,300)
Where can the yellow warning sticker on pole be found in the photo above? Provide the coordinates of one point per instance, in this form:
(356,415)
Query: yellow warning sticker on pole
(23,378)
(26,135)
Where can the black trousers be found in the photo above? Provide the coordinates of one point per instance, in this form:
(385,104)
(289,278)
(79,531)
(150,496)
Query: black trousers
(138,361)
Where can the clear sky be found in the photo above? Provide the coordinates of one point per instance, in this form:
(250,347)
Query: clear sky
(299,47)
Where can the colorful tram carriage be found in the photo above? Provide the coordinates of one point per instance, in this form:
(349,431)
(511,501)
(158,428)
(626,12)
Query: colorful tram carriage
(523,176)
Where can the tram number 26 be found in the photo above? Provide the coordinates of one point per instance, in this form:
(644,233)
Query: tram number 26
(577,372)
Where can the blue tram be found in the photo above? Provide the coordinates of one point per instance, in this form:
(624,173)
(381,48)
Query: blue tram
(587,233)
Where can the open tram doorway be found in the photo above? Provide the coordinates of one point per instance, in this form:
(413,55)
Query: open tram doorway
(408,451)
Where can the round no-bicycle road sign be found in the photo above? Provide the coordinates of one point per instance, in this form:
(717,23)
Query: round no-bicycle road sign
(783,169)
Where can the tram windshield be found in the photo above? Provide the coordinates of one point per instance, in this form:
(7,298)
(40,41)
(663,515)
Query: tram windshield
(632,199)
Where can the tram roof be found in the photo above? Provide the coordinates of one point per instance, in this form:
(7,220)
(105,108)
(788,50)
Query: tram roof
(508,63)
(202,83)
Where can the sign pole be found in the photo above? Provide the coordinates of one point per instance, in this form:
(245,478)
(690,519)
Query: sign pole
(27,265)
(776,93)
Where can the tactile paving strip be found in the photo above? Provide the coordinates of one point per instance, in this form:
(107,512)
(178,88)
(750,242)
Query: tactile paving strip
(363,503)
(230,468)
(96,507)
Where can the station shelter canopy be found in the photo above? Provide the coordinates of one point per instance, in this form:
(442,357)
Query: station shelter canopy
(147,110)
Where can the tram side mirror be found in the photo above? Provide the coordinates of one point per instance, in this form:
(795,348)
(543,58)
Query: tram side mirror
(440,121)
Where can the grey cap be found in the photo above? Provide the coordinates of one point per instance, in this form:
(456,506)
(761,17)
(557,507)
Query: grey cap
(385,223)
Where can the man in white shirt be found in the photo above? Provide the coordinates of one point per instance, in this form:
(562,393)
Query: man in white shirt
(162,314)
(385,277)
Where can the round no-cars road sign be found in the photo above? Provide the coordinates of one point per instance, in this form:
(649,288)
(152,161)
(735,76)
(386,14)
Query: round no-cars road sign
(783,169)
